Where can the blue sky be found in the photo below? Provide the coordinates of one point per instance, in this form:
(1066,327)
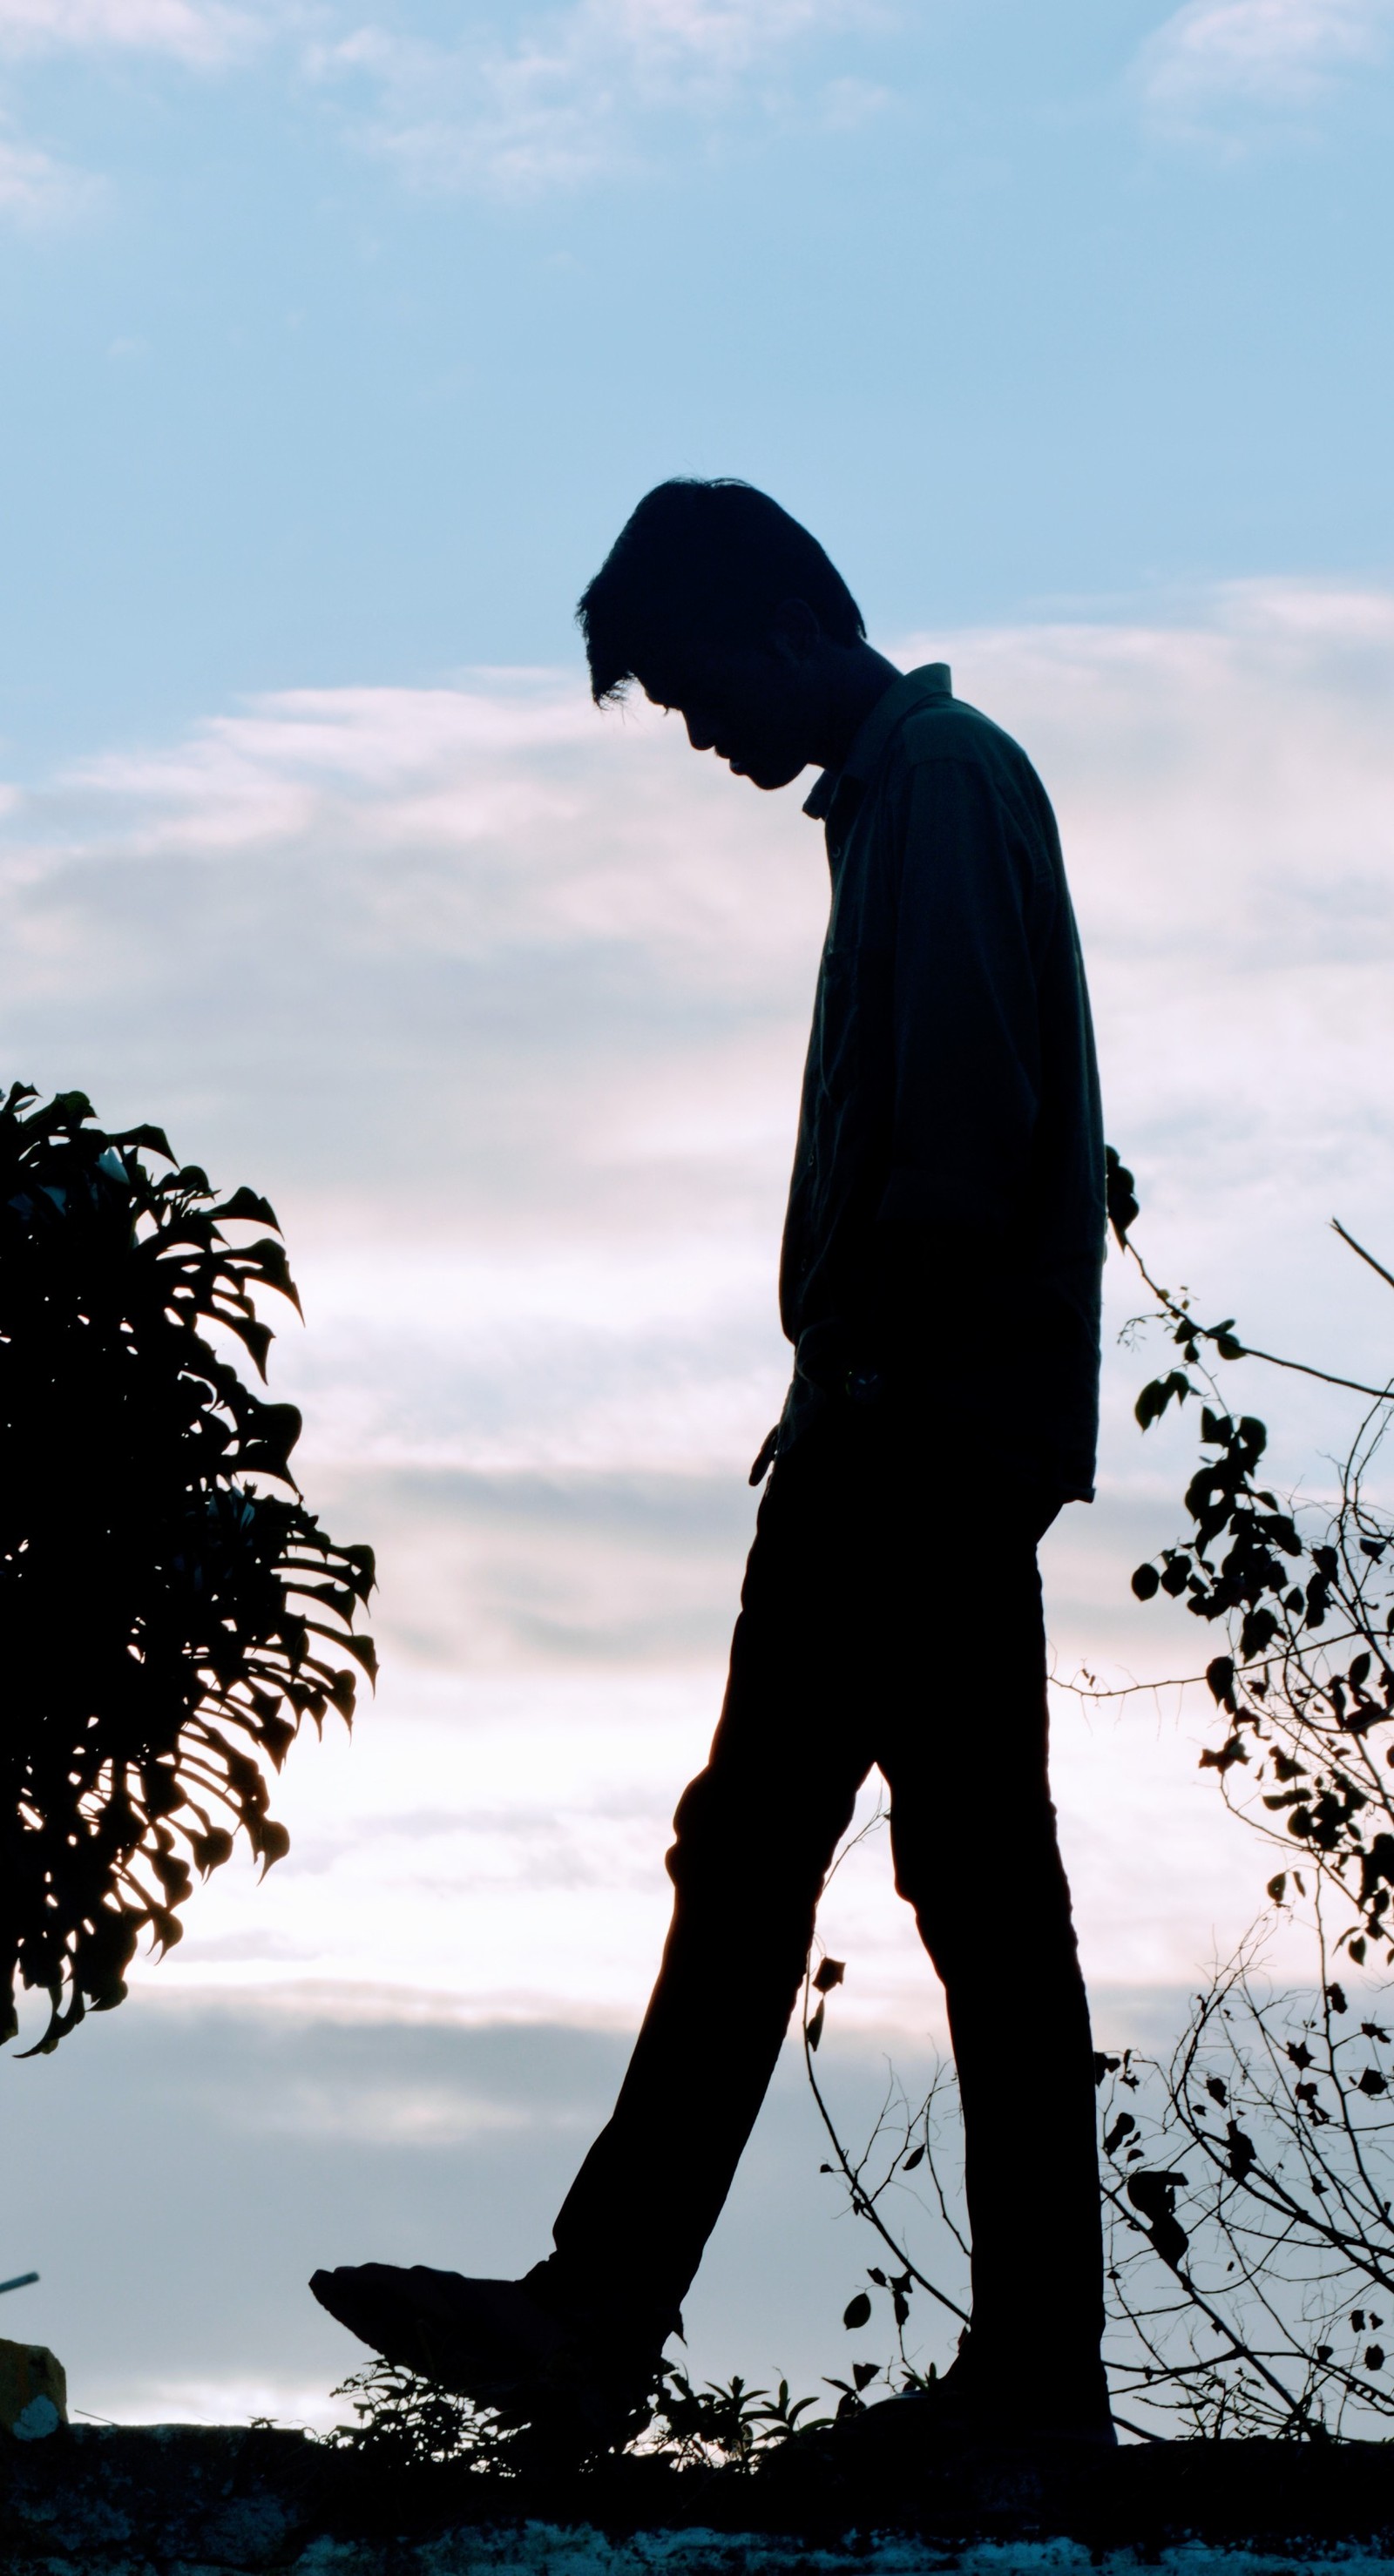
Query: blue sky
(335,350)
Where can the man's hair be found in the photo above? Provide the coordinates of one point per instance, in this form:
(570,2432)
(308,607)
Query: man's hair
(703,563)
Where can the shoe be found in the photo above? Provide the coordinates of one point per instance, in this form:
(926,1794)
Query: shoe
(964,2409)
(516,2347)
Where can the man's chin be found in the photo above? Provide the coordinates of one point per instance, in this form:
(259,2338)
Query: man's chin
(769,775)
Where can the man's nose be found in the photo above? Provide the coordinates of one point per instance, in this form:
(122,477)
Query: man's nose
(701,732)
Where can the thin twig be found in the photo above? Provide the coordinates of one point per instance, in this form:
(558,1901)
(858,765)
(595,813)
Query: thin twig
(1188,1681)
(1249,1350)
(1386,1275)
(863,2207)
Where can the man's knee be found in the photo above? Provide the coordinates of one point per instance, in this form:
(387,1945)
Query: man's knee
(761,1836)
(984,1897)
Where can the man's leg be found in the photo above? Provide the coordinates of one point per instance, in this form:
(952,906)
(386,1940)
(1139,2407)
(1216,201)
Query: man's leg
(755,1832)
(973,1832)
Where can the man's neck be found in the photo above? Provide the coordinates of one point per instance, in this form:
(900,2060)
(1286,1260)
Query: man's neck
(855,678)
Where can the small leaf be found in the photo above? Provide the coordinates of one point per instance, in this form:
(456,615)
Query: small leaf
(1120,1195)
(245,1203)
(1156,1396)
(1154,2194)
(830,1973)
(273,1268)
(1219,1674)
(1243,2154)
(857,2313)
(1231,1751)
(815,2027)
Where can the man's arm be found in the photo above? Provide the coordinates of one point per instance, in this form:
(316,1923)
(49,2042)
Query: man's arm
(974,904)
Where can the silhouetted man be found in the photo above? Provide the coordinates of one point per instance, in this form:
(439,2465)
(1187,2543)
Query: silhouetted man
(940,1285)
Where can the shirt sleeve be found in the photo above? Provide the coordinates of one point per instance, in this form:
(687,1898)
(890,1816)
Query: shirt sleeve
(973,908)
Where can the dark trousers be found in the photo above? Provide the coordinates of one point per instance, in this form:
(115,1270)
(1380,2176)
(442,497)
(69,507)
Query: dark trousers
(885,1622)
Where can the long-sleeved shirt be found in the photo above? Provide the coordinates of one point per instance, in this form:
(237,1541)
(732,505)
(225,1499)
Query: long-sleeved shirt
(945,1234)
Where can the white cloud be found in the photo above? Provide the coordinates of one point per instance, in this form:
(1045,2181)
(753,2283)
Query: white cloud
(198,35)
(569,96)
(551,975)
(723,35)
(575,925)
(204,35)
(1273,52)
(36,189)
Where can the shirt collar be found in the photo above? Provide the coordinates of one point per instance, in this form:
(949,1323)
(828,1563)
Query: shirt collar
(931,680)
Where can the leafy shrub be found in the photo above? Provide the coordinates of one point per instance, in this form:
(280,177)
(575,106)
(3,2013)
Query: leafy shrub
(408,2422)
(168,1621)
(1306,1600)
(1247,2184)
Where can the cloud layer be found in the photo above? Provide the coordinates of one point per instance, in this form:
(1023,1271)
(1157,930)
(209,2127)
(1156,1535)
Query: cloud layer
(274,2142)
(505,1002)
(517,105)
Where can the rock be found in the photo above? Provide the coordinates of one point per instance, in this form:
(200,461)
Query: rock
(33,2391)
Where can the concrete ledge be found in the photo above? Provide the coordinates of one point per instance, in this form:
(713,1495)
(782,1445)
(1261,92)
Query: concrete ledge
(182,2500)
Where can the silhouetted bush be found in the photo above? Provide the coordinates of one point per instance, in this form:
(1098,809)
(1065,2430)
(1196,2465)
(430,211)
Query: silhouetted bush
(167,1620)
(405,2422)
(1247,2186)
(1306,1597)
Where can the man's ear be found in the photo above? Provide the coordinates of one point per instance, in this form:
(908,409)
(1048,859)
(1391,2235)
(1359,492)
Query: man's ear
(795,632)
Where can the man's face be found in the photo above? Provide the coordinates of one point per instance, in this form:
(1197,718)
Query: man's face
(751,705)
